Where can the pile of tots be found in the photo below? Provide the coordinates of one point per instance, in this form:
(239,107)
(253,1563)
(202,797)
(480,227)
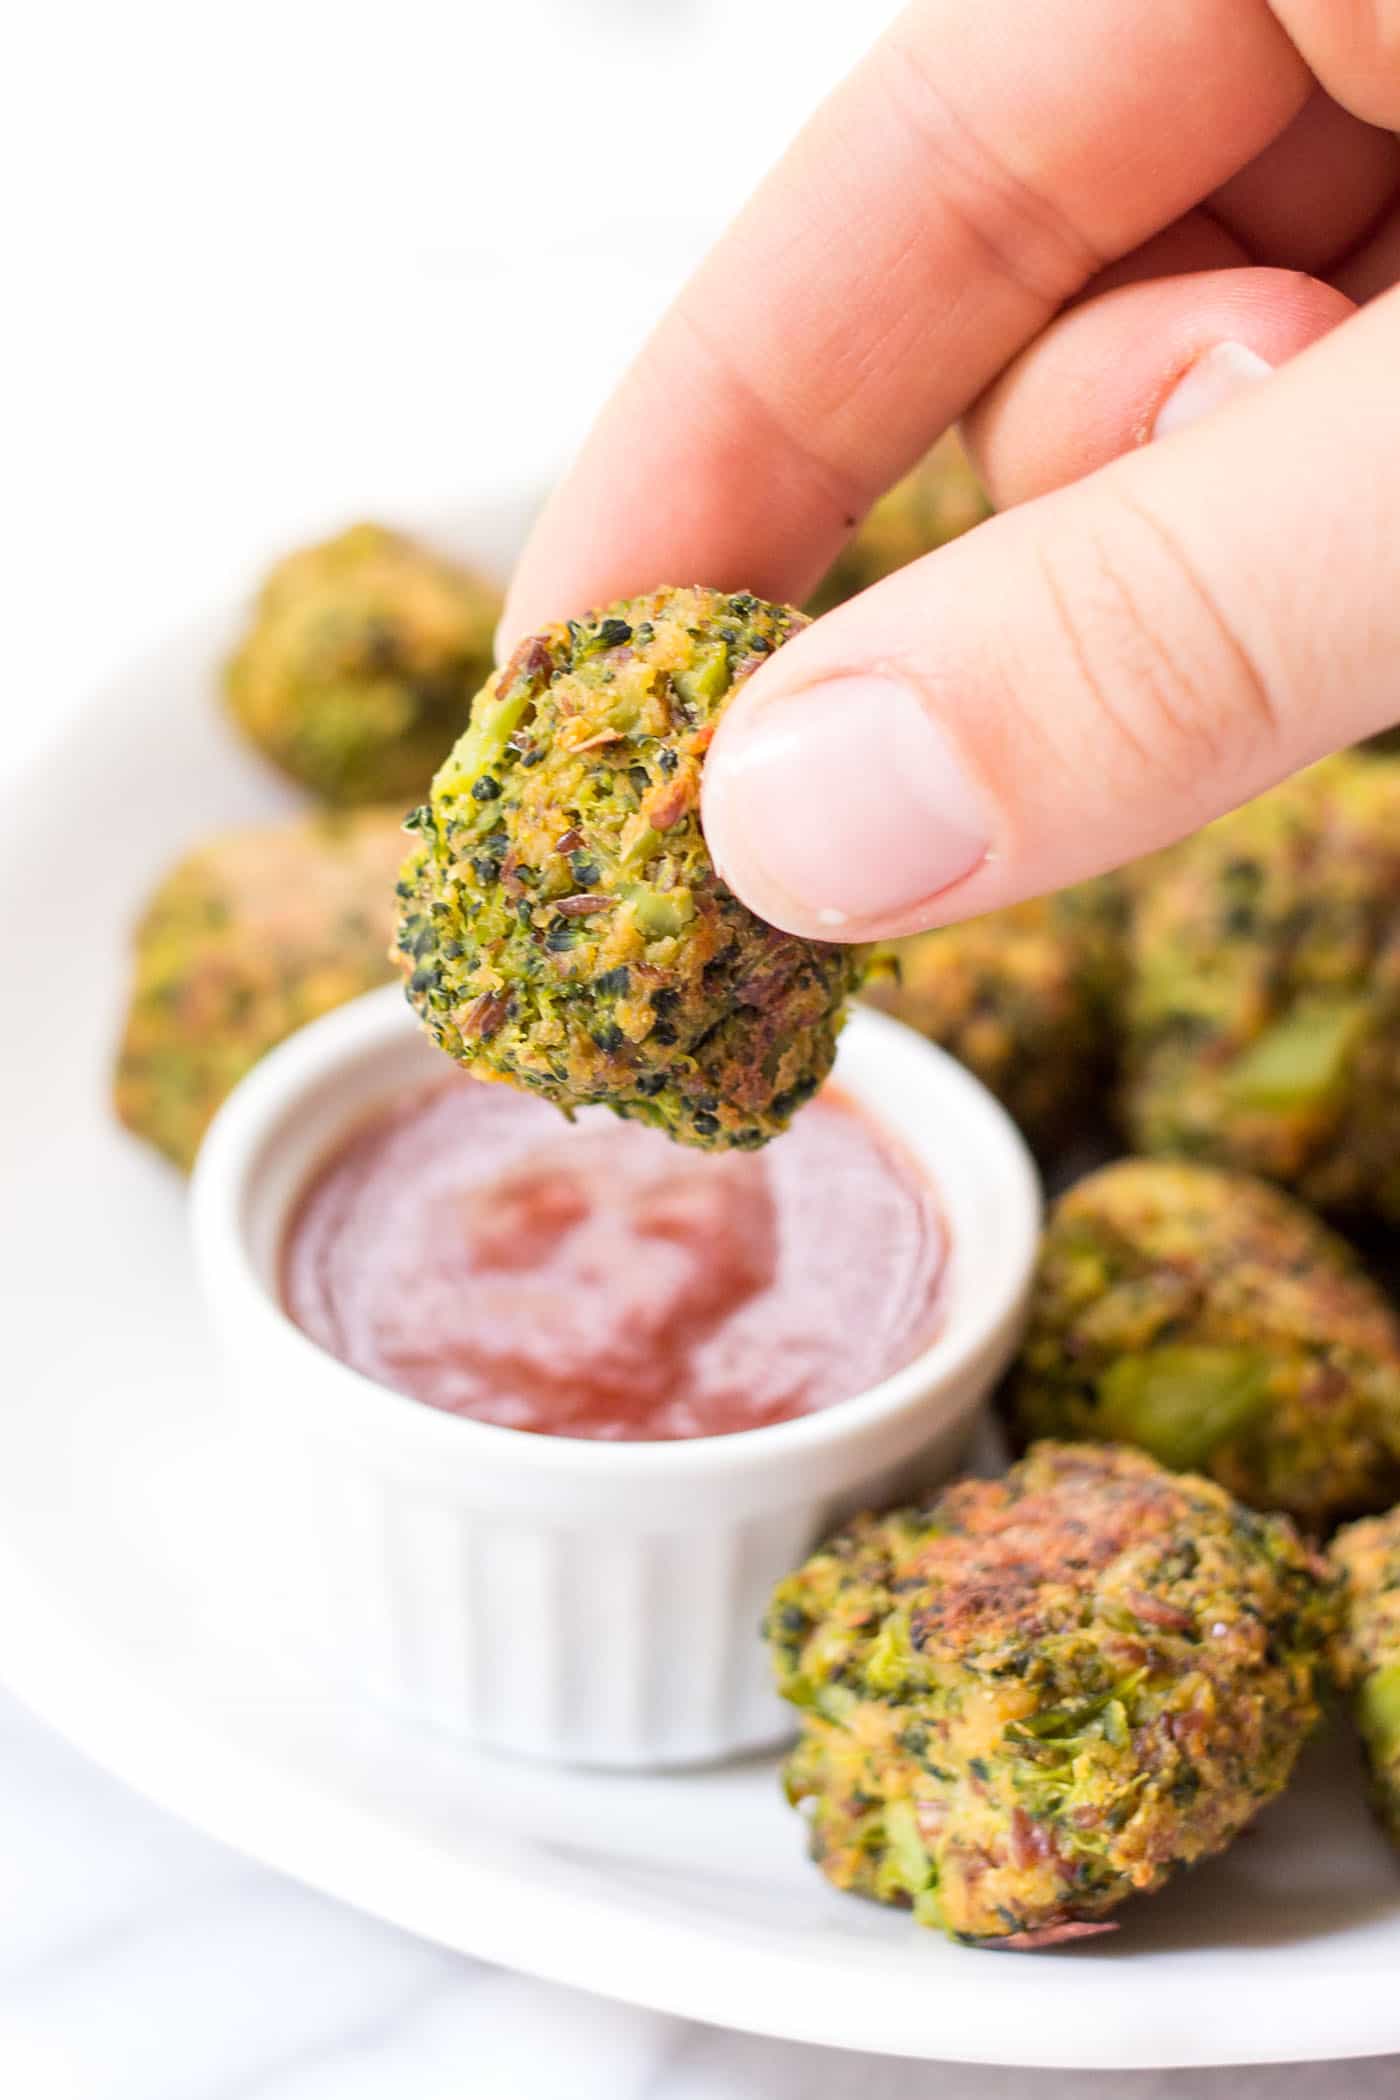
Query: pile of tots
(1029,1697)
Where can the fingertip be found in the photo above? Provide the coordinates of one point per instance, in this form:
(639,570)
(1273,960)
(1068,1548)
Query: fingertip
(840,809)
(1092,387)
(1216,377)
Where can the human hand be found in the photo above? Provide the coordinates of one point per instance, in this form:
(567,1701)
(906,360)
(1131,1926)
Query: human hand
(1079,227)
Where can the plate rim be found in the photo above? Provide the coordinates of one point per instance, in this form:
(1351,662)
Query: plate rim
(196,1776)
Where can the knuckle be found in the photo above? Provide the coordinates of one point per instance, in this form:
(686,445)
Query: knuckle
(1153,654)
(1011,223)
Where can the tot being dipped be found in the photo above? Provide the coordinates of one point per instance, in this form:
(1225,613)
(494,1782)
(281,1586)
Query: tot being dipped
(1038,1695)
(562,924)
(1212,1320)
(1367,1653)
(247,938)
(360,664)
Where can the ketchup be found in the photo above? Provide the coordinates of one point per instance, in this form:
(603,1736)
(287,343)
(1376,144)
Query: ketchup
(470,1249)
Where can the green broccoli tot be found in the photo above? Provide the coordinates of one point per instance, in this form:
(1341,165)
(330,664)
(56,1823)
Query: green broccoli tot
(1038,1695)
(1212,1320)
(563,926)
(360,663)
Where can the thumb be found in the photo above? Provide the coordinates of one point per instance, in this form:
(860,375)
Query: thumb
(1085,678)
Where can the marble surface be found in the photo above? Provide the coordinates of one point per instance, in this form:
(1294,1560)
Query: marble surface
(141,1961)
(272,276)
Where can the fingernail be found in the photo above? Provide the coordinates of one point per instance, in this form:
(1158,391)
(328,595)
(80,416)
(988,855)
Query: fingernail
(1215,378)
(841,804)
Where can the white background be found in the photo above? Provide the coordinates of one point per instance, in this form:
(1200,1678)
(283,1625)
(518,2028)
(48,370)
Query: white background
(270,266)
(276,264)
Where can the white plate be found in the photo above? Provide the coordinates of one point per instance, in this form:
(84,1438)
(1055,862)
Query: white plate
(688,1893)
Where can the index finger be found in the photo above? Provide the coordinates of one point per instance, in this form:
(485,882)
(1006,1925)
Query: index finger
(976,170)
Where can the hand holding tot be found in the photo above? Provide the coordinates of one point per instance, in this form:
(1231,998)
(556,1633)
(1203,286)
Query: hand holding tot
(1080,232)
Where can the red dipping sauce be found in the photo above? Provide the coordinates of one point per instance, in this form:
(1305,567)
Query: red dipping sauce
(472,1249)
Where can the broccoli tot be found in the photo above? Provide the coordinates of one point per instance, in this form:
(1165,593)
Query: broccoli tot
(360,663)
(1212,1320)
(1024,999)
(248,937)
(563,927)
(1040,1694)
(1263,1011)
(1367,1654)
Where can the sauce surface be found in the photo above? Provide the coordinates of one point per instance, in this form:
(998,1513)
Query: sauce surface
(470,1249)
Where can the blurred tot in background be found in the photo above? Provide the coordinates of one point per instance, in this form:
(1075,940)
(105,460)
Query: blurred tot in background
(299,262)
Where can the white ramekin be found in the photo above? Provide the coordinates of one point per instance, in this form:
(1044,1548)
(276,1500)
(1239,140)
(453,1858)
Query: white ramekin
(592,1602)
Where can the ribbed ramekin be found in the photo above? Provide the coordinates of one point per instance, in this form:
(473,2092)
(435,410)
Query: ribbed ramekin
(596,1603)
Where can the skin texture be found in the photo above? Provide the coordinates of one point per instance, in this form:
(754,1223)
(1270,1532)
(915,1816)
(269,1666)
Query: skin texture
(1215,1322)
(1024,998)
(938,502)
(360,664)
(246,939)
(563,927)
(1041,1694)
(1367,1653)
(1264,1010)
